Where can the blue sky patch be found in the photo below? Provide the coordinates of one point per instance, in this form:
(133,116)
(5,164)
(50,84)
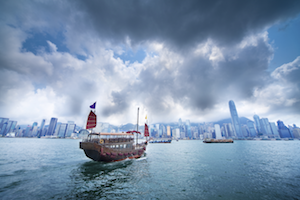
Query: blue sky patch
(132,56)
(285,38)
(38,41)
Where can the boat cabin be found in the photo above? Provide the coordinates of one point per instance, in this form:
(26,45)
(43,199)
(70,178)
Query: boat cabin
(111,140)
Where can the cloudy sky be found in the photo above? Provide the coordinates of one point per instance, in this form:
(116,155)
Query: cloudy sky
(172,59)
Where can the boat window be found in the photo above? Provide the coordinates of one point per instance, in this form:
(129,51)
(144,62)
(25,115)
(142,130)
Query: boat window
(117,146)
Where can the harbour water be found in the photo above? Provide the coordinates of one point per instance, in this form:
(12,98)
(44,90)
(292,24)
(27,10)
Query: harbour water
(32,168)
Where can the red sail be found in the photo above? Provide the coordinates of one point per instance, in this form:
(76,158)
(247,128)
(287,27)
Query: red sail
(146,131)
(91,121)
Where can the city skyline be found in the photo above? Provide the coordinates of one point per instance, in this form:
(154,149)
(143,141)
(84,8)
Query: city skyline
(258,128)
(172,59)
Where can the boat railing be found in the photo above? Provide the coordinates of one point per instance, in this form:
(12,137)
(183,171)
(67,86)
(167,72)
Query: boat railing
(108,140)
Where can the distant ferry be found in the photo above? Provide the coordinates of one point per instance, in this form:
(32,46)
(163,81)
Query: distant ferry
(218,141)
(161,141)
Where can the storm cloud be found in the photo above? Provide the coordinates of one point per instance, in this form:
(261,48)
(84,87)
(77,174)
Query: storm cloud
(58,57)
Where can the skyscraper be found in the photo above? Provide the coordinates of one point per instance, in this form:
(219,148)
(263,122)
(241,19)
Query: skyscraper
(235,119)
(229,132)
(62,130)
(218,131)
(52,126)
(188,129)
(274,129)
(70,129)
(40,132)
(284,132)
(257,124)
(265,126)
(252,131)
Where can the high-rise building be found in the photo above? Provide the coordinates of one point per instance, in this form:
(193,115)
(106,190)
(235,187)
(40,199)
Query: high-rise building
(245,131)
(218,131)
(188,129)
(28,131)
(229,132)
(296,132)
(274,129)
(52,126)
(179,122)
(284,132)
(70,129)
(62,130)
(257,124)
(265,126)
(177,133)
(34,124)
(168,131)
(235,119)
(34,131)
(251,128)
(40,132)
(3,129)
(58,124)
(2,122)
(7,128)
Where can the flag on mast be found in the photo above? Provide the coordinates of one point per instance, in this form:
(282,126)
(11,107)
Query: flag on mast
(93,106)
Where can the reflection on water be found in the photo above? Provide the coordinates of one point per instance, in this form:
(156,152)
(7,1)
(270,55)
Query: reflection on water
(181,170)
(96,180)
(92,170)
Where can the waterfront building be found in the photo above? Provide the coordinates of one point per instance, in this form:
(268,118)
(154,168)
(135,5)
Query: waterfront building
(58,124)
(229,131)
(177,133)
(62,130)
(34,131)
(245,131)
(70,129)
(235,119)
(188,129)
(284,132)
(34,124)
(296,132)
(40,132)
(2,122)
(218,131)
(52,126)
(265,126)
(27,132)
(257,123)
(168,131)
(274,129)
(291,128)
(179,122)
(3,128)
(252,132)
(207,135)
(7,128)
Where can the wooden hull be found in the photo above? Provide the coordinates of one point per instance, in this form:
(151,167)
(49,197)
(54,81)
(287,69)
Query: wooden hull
(98,152)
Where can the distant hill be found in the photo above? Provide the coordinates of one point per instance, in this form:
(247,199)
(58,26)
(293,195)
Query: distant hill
(129,126)
(243,120)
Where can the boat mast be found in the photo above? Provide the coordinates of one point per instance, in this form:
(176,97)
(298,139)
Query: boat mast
(137,125)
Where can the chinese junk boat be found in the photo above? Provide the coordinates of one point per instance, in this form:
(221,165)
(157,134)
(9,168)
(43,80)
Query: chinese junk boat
(111,147)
